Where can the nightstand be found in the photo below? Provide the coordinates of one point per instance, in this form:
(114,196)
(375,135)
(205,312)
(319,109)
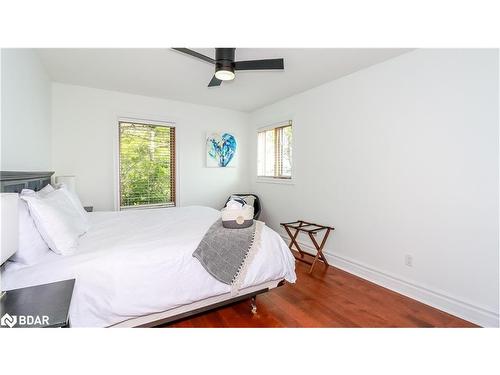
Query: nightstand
(89,208)
(37,306)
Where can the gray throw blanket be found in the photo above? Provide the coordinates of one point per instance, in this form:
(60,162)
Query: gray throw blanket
(223,252)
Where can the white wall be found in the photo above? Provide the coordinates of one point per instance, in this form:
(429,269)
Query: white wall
(401,158)
(84,135)
(25,130)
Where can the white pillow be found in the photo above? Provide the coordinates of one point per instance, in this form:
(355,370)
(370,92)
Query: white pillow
(72,197)
(42,192)
(76,203)
(57,220)
(32,247)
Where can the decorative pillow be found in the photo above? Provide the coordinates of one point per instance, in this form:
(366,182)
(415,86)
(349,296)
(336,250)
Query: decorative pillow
(31,245)
(249,199)
(57,220)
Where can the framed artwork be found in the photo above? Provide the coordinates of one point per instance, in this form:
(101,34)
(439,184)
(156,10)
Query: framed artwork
(221,150)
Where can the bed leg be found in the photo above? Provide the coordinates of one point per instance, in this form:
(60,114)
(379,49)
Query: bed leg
(253,303)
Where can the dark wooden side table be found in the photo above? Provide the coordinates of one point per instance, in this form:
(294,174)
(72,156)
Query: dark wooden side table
(37,306)
(295,227)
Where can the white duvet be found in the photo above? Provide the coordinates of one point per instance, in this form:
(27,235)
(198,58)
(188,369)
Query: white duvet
(139,262)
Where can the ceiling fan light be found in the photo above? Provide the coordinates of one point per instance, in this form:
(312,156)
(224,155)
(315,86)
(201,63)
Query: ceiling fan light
(224,75)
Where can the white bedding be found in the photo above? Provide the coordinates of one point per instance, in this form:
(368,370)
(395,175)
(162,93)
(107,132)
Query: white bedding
(138,262)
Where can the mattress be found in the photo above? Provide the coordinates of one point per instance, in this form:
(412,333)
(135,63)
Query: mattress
(138,262)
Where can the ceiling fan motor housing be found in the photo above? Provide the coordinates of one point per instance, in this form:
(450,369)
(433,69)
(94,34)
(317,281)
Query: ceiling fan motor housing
(224,59)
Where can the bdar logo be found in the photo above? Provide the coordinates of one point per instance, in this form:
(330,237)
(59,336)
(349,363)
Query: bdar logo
(8,320)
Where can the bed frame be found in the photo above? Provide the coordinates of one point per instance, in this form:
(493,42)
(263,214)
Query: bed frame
(14,182)
(202,306)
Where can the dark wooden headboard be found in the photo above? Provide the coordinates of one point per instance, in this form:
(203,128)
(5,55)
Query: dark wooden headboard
(14,182)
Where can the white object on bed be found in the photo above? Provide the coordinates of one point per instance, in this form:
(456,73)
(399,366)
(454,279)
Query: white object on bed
(237,218)
(235,204)
(139,262)
(67,190)
(57,219)
(32,247)
(40,193)
(9,225)
(71,194)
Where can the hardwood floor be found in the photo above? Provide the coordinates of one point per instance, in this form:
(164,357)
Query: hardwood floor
(327,298)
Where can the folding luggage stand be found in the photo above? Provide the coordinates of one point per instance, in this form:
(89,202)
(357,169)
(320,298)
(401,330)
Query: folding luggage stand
(311,229)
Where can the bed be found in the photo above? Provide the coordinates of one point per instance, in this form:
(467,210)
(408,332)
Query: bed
(135,267)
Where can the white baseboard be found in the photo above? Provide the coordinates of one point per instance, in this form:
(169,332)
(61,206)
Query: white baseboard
(439,300)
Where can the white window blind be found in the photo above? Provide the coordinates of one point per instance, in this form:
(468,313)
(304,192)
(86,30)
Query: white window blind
(274,152)
(147,165)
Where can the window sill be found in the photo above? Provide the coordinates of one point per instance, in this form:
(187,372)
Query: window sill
(271,180)
(146,207)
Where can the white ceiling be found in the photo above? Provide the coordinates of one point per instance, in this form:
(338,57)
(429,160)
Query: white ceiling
(170,74)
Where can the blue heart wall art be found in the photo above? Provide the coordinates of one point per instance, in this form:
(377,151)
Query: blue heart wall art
(221,150)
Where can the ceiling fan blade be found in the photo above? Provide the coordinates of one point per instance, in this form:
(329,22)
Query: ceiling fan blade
(190,52)
(214,82)
(259,64)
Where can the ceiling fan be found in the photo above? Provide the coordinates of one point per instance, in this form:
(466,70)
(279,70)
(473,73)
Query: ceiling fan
(225,66)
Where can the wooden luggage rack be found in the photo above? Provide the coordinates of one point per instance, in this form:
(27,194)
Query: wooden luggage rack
(311,229)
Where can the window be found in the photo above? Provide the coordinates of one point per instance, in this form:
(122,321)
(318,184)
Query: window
(147,165)
(274,152)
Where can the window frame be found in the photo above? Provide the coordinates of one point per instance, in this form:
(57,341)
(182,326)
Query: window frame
(117,189)
(276,179)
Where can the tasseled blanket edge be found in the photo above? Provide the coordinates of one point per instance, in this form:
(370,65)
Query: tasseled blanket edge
(250,255)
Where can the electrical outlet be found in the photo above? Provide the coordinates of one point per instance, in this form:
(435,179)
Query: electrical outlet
(408,260)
